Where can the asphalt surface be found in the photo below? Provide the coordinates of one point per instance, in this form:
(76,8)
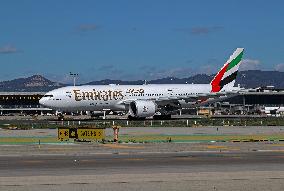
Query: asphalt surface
(134,131)
(151,166)
(49,164)
(144,171)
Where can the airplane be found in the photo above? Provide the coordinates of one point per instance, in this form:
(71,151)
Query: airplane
(269,111)
(147,100)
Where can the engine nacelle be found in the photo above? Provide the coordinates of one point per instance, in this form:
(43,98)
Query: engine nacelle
(142,108)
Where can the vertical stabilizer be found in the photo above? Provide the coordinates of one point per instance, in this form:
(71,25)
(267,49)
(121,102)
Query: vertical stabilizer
(225,78)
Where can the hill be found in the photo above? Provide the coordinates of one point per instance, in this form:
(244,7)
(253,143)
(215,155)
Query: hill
(247,79)
(36,83)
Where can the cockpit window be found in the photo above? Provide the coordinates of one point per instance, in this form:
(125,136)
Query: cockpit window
(48,95)
(69,94)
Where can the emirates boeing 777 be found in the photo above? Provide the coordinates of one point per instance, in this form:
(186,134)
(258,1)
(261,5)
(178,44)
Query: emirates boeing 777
(141,101)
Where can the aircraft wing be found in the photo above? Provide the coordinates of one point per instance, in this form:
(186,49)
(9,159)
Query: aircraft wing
(197,97)
(194,99)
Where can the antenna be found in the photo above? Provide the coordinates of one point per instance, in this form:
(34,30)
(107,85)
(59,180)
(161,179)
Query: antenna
(74,75)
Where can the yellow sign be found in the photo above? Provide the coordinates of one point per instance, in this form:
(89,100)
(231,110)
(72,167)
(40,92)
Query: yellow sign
(90,134)
(73,133)
(63,134)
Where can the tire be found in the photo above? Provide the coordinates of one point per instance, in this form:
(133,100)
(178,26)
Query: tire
(60,118)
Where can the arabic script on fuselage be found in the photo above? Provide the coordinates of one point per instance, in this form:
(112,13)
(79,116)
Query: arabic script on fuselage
(135,91)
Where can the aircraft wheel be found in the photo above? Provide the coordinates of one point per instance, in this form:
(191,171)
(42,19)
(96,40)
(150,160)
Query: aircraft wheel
(60,117)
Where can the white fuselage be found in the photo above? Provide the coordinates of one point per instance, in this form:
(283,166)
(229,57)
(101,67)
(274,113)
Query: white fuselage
(141,100)
(113,97)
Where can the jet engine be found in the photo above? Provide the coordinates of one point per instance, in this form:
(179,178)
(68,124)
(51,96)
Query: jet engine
(142,108)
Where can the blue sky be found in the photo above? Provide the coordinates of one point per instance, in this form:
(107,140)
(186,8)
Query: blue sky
(135,39)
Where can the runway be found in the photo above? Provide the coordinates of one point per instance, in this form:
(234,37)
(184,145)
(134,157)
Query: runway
(144,171)
(139,163)
(155,166)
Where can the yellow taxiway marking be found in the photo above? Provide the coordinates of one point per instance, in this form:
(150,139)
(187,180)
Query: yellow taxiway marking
(59,149)
(278,150)
(134,159)
(117,146)
(216,147)
(221,147)
(33,161)
(278,145)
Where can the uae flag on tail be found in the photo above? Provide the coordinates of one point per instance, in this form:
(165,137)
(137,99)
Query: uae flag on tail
(227,75)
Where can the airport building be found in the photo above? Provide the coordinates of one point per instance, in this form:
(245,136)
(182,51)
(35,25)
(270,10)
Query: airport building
(21,102)
(254,101)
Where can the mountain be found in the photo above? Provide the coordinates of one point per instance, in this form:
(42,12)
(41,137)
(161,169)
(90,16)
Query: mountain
(247,79)
(36,83)
(257,78)
(108,81)
(197,79)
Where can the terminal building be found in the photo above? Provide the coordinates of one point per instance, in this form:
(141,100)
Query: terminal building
(21,102)
(254,101)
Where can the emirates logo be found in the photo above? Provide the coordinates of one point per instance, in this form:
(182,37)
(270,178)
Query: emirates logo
(145,109)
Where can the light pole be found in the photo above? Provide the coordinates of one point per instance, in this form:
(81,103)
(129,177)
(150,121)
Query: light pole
(74,75)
